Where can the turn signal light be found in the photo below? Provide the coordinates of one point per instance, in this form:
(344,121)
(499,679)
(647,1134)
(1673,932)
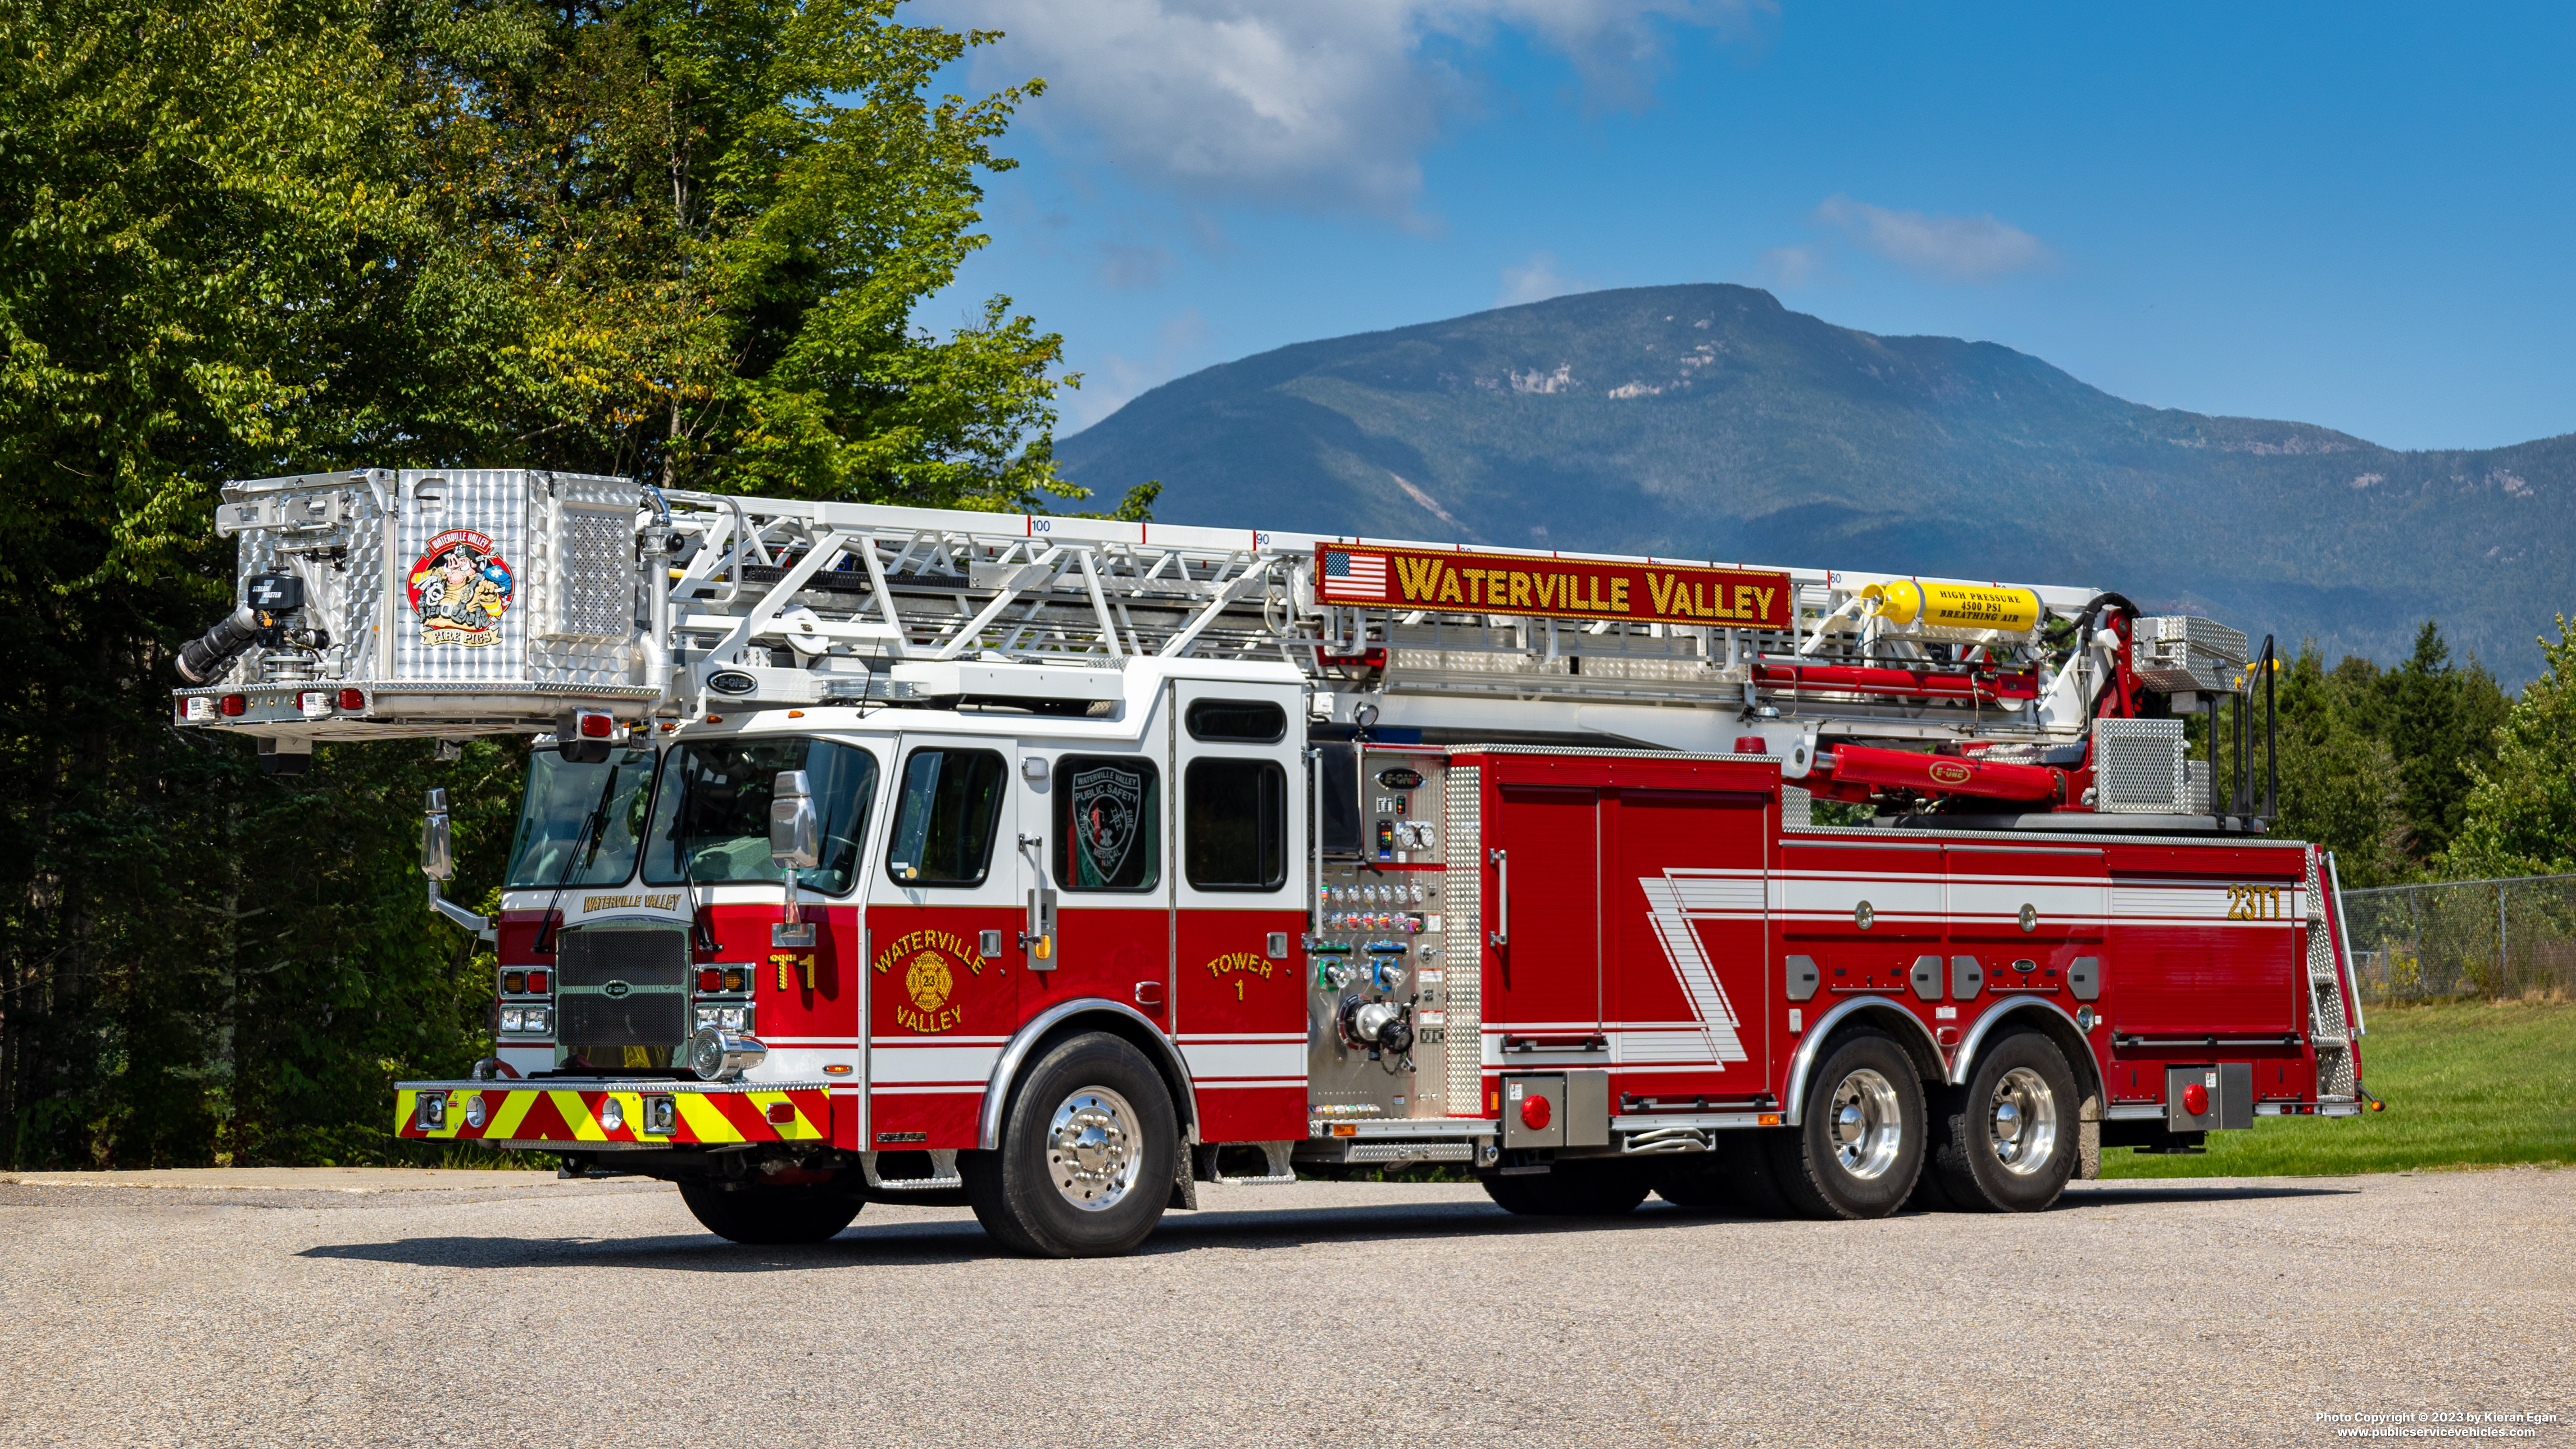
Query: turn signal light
(353,699)
(233,703)
(733,978)
(514,981)
(537,980)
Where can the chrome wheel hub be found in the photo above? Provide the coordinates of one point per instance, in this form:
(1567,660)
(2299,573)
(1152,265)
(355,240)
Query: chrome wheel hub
(1091,1149)
(1865,1124)
(2022,1122)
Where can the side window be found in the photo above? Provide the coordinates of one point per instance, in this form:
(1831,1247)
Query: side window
(1235,819)
(1238,721)
(943,828)
(1108,824)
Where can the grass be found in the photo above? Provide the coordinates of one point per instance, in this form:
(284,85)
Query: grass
(2467,1084)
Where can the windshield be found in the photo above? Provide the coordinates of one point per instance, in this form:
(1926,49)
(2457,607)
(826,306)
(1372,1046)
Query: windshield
(579,823)
(726,785)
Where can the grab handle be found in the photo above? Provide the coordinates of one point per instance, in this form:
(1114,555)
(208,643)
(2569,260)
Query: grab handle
(1501,935)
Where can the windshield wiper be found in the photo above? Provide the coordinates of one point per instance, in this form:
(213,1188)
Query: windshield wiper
(594,826)
(700,937)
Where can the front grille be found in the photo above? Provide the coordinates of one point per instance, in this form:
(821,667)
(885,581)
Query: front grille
(637,1021)
(622,994)
(636,955)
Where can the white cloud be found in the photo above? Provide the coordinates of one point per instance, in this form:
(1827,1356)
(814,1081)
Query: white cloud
(1944,248)
(1536,280)
(1322,104)
(1790,268)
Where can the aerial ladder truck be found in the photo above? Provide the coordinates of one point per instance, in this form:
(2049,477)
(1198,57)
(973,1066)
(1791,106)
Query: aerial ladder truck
(1068,868)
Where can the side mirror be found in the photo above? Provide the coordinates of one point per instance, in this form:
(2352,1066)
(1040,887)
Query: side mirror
(437,849)
(795,841)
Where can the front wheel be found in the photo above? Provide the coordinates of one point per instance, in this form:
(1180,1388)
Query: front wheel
(1088,1157)
(2008,1141)
(1860,1146)
(768,1216)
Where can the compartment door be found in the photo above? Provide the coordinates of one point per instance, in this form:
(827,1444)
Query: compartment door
(1688,926)
(1238,986)
(1544,922)
(945,906)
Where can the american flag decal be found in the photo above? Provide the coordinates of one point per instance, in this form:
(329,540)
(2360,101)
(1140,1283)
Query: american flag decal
(1346,574)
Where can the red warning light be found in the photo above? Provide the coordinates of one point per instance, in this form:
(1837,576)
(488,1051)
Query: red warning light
(1534,1112)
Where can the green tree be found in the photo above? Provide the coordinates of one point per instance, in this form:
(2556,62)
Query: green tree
(2340,785)
(245,237)
(2520,815)
(2439,721)
(701,231)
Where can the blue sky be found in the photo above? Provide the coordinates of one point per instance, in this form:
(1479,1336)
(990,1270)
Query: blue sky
(2358,216)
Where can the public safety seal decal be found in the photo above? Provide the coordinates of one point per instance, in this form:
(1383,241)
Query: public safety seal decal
(1107,807)
(460,588)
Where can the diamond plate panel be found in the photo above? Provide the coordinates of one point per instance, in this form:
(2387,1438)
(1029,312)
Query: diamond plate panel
(1462,883)
(2139,769)
(592,573)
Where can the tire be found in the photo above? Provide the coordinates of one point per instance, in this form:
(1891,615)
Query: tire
(1860,1149)
(2008,1140)
(769,1216)
(1587,1190)
(1090,1150)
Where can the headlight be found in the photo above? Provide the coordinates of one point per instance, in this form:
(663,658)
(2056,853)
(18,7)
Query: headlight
(719,1055)
(513,1019)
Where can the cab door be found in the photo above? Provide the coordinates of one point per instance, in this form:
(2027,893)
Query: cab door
(1238,999)
(944,918)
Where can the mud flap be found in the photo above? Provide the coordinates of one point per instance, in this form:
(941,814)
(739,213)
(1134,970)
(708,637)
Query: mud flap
(1185,1184)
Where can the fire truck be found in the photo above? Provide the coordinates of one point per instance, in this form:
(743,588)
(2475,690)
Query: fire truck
(1063,867)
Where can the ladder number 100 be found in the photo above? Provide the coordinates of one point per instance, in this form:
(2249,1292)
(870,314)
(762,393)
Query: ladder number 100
(2255,903)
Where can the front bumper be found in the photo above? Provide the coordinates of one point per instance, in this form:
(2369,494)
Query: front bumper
(574,1113)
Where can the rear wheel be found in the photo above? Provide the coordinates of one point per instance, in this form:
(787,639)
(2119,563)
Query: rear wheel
(1574,1190)
(2009,1140)
(1088,1158)
(1860,1147)
(769,1216)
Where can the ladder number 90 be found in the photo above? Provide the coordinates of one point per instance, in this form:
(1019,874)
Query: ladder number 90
(2256,903)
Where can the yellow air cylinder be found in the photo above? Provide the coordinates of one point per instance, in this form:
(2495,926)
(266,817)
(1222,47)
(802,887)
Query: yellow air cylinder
(1972,607)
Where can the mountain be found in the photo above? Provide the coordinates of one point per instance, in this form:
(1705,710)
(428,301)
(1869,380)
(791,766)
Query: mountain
(1710,422)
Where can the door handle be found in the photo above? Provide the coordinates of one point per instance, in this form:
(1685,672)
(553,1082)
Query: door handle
(1501,935)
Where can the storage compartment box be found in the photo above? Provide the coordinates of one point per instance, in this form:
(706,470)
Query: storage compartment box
(456,602)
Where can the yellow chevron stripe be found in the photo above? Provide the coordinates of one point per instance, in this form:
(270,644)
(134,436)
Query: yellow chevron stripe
(514,1110)
(801,1130)
(576,1115)
(704,1121)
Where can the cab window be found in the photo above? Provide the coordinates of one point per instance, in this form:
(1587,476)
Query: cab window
(578,823)
(943,825)
(1108,823)
(711,819)
(1235,820)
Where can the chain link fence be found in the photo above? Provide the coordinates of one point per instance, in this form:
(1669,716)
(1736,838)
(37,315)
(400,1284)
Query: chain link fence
(2489,938)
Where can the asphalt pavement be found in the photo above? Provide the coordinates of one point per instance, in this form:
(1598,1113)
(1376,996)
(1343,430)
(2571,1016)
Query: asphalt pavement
(351,1308)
